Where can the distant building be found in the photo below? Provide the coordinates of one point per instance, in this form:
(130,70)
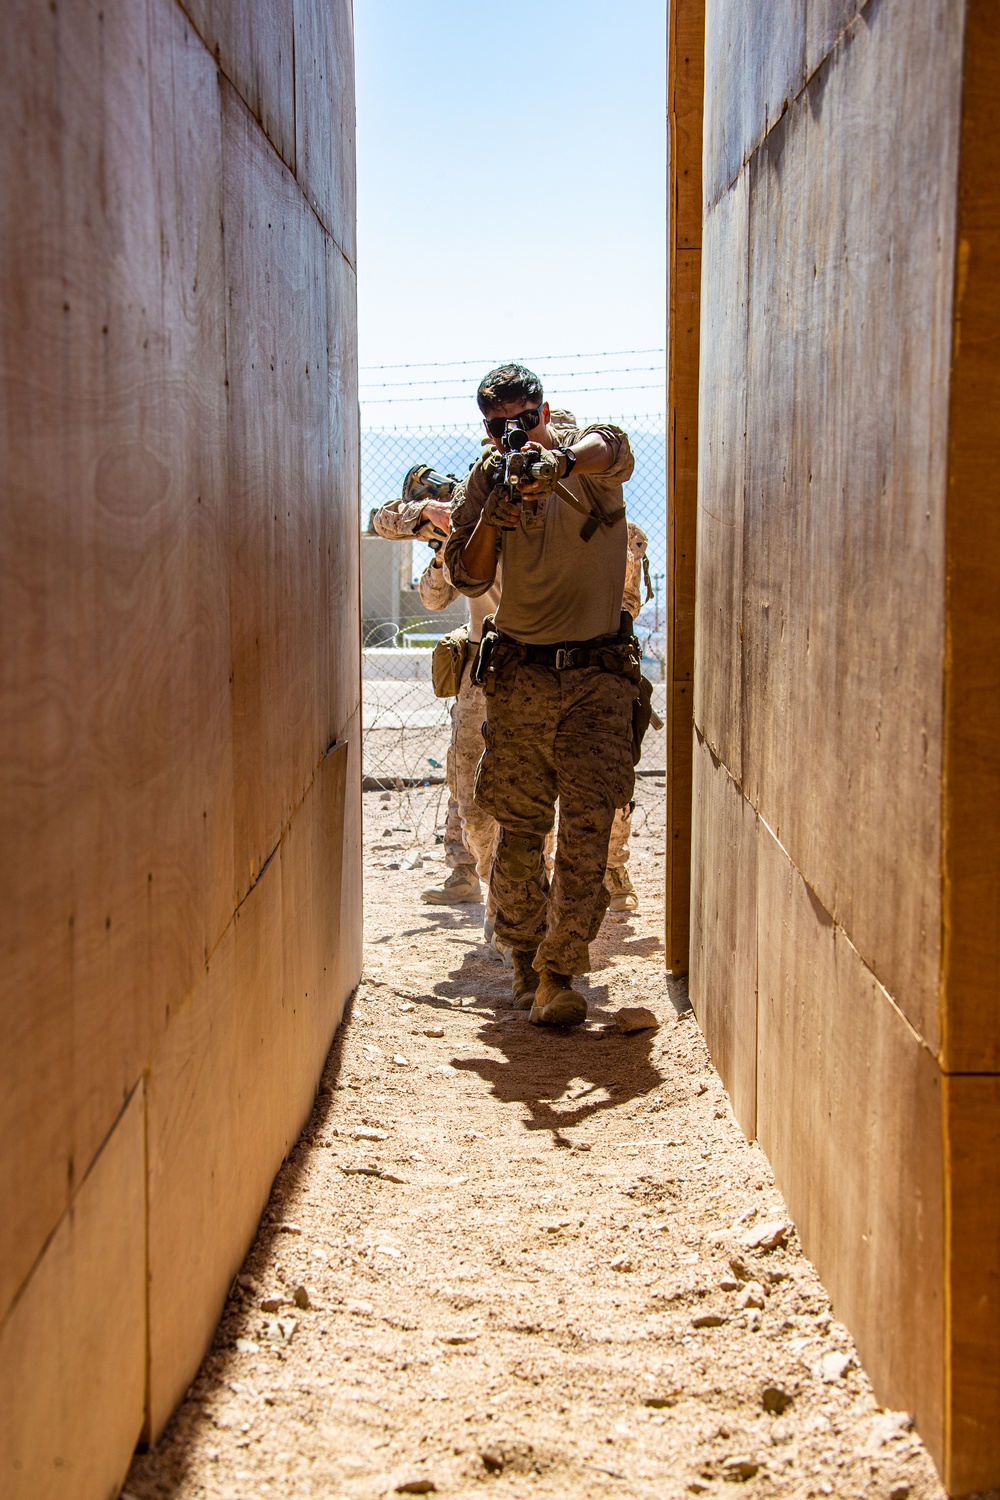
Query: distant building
(389,601)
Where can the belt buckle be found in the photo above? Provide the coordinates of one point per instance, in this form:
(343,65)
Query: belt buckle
(563,658)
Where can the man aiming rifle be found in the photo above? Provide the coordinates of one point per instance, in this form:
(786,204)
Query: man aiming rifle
(561,672)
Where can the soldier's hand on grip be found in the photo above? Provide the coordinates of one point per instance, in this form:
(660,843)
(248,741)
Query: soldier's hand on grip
(501,510)
(492,461)
(542,469)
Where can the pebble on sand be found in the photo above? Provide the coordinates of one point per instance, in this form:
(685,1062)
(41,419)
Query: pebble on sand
(739,1468)
(832,1366)
(767,1236)
(635,1018)
(752,1295)
(885,1427)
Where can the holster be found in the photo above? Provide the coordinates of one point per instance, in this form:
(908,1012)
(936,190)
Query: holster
(483,672)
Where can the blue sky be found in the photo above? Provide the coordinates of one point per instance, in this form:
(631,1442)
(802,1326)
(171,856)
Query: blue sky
(511,200)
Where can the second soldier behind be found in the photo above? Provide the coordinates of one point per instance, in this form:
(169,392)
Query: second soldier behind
(424,512)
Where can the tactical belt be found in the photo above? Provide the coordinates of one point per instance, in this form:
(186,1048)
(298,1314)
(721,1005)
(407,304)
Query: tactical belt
(566,655)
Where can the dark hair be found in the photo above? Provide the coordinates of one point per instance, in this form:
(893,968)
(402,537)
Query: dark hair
(507,384)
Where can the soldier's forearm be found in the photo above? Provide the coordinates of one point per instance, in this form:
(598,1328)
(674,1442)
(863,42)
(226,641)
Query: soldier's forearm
(435,589)
(593,454)
(479,555)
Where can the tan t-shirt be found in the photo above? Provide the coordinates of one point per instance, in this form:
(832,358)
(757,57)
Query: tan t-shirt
(556,586)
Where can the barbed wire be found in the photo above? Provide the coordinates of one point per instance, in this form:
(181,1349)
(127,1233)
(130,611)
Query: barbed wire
(444,364)
(393,385)
(578,390)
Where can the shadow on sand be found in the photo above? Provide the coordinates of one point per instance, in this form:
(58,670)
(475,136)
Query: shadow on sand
(562,1077)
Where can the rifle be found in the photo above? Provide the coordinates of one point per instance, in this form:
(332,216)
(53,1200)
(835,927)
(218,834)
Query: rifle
(520,465)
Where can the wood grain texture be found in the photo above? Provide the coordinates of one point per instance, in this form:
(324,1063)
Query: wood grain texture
(216,1137)
(868,696)
(350,954)
(685,102)
(149,583)
(722,477)
(314,853)
(682,462)
(254,45)
(723,983)
(849,1113)
(679,742)
(325,115)
(971,812)
(279,467)
(847,441)
(117,795)
(755,65)
(686,108)
(235,1077)
(826,22)
(682,479)
(972,1123)
(342,547)
(73,1347)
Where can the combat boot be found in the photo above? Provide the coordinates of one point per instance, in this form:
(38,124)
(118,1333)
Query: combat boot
(525,980)
(462,885)
(557,1002)
(503,951)
(623,896)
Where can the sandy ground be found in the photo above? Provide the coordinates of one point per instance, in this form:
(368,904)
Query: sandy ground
(516,1263)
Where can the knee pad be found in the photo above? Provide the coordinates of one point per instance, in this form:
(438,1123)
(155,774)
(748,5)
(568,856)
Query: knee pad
(519,855)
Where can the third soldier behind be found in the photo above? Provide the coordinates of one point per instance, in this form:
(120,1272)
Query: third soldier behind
(616,877)
(561,676)
(424,513)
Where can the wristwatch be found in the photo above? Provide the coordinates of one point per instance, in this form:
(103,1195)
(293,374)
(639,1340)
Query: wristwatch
(569,456)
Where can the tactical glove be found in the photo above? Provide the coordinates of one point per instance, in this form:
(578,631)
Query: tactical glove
(492,462)
(424,483)
(500,510)
(542,468)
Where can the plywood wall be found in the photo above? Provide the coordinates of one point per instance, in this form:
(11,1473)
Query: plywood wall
(179,688)
(846,881)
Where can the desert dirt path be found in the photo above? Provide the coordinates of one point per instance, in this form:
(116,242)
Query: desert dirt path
(524,1254)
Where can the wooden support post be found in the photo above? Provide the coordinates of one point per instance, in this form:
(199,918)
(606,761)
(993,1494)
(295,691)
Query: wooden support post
(685,100)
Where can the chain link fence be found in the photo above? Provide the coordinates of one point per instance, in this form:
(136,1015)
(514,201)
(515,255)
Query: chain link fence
(405,728)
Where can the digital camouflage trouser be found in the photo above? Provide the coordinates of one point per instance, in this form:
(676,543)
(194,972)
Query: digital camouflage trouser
(552,735)
(470,833)
(621,832)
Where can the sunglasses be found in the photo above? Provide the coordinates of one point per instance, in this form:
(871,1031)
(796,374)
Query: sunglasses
(526,420)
